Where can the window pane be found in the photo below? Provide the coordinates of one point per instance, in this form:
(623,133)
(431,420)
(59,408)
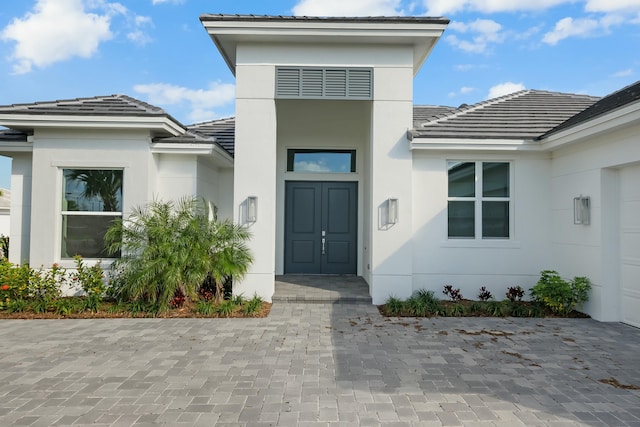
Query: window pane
(92,190)
(84,235)
(462,220)
(495,179)
(495,219)
(462,179)
(321,161)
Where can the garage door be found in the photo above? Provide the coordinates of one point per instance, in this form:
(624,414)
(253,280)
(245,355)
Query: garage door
(630,244)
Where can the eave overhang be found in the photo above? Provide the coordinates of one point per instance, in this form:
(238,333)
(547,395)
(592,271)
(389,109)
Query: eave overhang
(220,156)
(468,144)
(160,124)
(227,33)
(8,147)
(618,119)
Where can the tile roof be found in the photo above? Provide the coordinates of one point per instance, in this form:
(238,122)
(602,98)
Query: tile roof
(522,115)
(223,130)
(275,18)
(620,98)
(424,113)
(112,105)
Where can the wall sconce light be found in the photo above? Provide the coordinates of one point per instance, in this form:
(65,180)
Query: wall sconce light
(252,208)
(582,210)
(392,211)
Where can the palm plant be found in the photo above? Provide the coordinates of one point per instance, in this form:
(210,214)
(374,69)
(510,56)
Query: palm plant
(173,246)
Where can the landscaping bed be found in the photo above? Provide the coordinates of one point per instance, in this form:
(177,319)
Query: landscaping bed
(73,308)
(470,308)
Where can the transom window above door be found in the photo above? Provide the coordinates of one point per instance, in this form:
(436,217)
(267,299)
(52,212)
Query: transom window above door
(321,161)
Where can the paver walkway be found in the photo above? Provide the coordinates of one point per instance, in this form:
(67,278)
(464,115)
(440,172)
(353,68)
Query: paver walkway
(319,364)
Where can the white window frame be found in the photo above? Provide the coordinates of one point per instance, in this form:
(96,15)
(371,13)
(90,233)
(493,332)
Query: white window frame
(478,199)
(63,213)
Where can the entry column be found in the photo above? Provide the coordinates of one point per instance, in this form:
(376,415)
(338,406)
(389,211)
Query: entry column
(255,174)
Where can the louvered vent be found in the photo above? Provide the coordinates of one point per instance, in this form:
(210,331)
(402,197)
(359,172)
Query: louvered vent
(318,83)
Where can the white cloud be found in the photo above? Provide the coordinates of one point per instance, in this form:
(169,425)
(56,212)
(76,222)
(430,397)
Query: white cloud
(623,73)
(464,90)
(200,102)
(55,30)
(449,7)
(504,89)
(612,5)
(483,32)
(138,36)
(581,27)
(348,8)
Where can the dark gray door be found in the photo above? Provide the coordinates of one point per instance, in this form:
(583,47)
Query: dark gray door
(320,227)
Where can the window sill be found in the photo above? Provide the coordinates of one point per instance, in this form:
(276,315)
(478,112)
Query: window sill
(89,262)
(485,244)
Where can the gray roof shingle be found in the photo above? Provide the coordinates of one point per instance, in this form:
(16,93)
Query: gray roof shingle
(111,105)
(617,99)
(425,113)
(522,115)
(280,18)
(223,130)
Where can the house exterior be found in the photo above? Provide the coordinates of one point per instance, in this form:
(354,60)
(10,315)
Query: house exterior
(335,171)
(5,211)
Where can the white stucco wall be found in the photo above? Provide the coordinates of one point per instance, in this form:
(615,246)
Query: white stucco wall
(55,149)
(590,168)
(177,176)
(21,180)
(470,264)
(262,130)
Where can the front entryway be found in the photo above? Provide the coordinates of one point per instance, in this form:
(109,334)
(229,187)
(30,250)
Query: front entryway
(320,227)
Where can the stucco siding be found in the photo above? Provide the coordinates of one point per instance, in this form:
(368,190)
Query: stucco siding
(54,150)
(591,168)
(21,179)
(469,264)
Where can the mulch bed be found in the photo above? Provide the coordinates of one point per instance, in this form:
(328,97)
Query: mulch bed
(106,312)
(468,312)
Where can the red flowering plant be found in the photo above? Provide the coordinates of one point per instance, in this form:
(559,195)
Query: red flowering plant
(14,282)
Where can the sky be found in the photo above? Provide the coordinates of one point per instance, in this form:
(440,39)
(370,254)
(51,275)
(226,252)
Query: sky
(158,51)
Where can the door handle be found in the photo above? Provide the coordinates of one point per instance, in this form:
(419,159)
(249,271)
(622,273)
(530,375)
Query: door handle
(323,245)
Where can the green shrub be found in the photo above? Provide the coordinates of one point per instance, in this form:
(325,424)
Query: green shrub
(17,306)
(46,284)
(559,295)
(394,306)
(205,308)
(423,303)
(64,306)
(89,279)
(457,310)
(253,305)
(169,246)
(225,308)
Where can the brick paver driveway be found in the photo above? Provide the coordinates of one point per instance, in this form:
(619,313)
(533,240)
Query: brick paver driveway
(319,364)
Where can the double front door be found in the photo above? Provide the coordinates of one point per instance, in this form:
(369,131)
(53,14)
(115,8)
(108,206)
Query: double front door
(321,227)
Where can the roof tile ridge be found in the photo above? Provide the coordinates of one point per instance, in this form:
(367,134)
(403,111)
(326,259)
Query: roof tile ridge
(208,122)
(139,103)
(480,105)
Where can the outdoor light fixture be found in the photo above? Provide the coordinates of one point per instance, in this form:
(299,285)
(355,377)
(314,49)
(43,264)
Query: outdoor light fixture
(392,211)
(252,208)
(582,210)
